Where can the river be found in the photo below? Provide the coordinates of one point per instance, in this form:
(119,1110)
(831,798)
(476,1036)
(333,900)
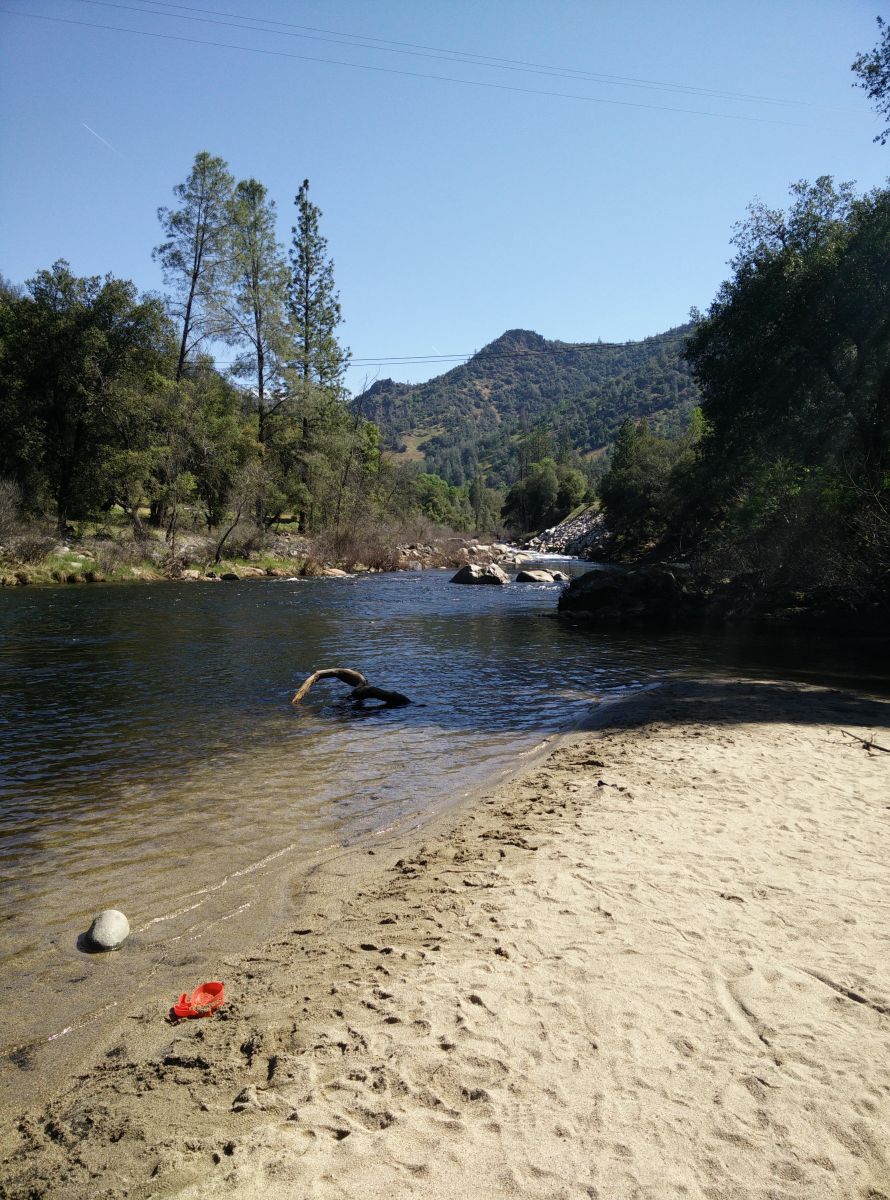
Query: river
(151,760)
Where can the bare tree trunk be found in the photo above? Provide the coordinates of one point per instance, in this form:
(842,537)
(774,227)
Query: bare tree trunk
(219,545)
(187,319)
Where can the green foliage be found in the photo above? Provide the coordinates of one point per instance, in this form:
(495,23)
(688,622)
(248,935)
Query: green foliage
(873,70)
(546,494)
(793,359)
(486,504)
(443,503)
(642,493)
(221,443)
(77,358)
(107,402)
(572,490)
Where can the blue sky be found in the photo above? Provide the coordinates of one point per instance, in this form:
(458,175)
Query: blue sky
(453,210)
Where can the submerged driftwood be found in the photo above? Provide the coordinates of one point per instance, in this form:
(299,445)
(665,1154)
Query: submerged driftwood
(361,689)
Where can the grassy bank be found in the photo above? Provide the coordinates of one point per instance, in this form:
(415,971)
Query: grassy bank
(112,553)
(104,557)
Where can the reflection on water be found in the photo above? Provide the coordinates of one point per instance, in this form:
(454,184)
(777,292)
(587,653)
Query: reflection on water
(151,759)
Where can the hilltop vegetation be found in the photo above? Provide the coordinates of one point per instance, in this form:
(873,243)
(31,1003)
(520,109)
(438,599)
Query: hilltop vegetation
(481,417)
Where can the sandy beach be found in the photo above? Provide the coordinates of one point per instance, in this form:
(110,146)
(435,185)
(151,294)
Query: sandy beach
(657,965)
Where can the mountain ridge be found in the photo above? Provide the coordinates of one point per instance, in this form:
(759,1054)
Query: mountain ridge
(468,420)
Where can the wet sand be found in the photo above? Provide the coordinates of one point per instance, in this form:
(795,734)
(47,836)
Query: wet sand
(657,965)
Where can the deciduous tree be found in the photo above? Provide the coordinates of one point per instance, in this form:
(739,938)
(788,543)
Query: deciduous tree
(193,254)
(792,358)
(252,301)
(77,357)
(873,70)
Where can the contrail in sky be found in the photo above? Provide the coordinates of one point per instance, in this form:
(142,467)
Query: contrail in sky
(101,138)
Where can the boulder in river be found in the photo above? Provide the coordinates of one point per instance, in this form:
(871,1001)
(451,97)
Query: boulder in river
(472,573)
(109,930)
(613,595)
(529,575)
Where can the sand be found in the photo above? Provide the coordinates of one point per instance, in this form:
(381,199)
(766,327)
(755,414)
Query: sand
(657,965)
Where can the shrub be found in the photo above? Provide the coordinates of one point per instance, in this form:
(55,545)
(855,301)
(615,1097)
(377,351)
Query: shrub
(111,556)
(31,548)
(374,548)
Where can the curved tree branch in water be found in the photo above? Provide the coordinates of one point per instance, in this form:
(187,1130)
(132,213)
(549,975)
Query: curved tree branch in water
(361,689)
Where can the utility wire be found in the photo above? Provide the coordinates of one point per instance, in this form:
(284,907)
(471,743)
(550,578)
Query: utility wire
(501,87)
(484,354)
(358,41)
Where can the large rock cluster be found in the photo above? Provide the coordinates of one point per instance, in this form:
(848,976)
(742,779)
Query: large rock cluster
(615,595)
(581,536)
(662,593)
(493,573)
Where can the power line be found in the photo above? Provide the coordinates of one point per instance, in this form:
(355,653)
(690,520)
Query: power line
(438,53)
(485,354)
(476,83)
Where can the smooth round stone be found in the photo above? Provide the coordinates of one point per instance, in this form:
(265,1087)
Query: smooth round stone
(109,930)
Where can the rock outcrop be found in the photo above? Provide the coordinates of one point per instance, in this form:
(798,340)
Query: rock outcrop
(663,593)
(581,536)
(615,595)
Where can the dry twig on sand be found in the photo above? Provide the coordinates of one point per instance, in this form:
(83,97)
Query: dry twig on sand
(868,744)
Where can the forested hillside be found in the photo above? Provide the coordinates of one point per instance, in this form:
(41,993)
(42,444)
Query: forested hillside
(471,418)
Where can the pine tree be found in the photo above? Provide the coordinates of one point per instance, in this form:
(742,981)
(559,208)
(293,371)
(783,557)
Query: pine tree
(314,303)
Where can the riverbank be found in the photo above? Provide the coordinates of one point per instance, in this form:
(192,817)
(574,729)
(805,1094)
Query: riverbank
(41,559)
(654,966)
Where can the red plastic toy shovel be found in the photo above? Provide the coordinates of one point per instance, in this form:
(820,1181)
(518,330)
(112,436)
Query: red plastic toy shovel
(203,1001)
